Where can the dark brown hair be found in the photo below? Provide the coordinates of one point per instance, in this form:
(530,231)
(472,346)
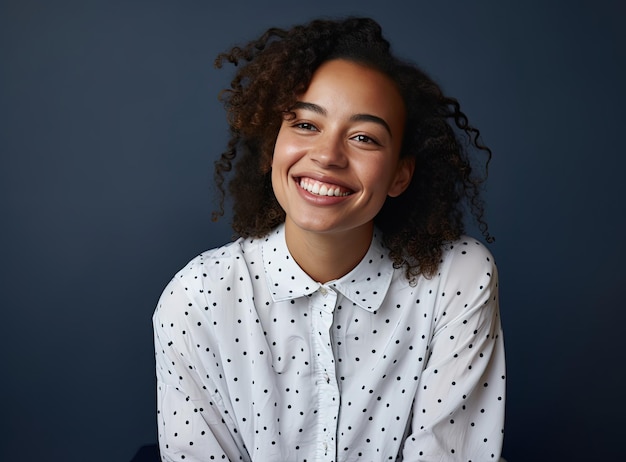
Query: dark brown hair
(278,66)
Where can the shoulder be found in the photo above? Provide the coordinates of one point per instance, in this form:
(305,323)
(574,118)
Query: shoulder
(466,254)
(203,277)
(217,263)
(467,266)
(466,284)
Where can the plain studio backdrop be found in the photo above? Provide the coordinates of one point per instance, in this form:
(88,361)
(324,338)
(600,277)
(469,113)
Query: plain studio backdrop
(109,128)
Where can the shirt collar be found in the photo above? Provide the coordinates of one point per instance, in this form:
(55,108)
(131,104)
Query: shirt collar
(366,285)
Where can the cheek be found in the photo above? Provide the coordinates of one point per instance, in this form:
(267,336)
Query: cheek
(278,186)
(285,152)
(279,147)
(280,160)
(378,175)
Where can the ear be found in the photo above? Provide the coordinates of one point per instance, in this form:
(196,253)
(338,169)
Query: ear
(404,174)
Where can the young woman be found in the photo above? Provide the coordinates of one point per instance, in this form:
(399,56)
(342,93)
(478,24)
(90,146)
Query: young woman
(352,319)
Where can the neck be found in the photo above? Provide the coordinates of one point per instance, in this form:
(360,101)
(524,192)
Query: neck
(328,256)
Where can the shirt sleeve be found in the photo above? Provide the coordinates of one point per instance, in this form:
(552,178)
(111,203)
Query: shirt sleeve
(191,421)
(458,412)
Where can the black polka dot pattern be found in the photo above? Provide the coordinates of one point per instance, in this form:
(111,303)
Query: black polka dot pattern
(258,362)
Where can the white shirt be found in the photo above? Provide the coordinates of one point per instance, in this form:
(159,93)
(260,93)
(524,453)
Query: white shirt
(258,362)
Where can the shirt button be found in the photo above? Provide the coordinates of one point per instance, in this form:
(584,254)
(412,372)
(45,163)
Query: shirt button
(323,291)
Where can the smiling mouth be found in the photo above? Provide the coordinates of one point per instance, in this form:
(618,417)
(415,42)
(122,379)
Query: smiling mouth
(322,189)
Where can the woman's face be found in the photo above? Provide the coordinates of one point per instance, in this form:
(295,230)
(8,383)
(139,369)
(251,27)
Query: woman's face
(338,159)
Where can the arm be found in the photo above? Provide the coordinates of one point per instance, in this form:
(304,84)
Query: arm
(192,423)
(458,412)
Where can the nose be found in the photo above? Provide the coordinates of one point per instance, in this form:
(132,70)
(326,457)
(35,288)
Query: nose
(329,151)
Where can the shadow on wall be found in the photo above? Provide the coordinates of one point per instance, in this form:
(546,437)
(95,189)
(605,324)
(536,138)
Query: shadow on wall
(148,453)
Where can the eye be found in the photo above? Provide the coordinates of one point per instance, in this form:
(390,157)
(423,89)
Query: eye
(306,126)
(365,139)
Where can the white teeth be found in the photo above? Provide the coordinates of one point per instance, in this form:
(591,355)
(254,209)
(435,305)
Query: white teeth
(320,189)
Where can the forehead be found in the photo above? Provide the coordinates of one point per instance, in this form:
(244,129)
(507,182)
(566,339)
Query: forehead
(347,85)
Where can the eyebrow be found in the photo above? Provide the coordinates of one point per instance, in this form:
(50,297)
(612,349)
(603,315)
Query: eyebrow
(355,118)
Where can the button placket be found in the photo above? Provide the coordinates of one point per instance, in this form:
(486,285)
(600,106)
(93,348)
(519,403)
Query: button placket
(322,307)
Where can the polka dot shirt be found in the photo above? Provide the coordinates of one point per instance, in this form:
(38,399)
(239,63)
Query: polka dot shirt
(256,361)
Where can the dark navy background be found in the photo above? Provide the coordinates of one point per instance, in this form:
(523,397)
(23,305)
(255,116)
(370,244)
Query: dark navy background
(109,126)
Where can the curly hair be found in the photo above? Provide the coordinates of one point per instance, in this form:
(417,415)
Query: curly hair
(278,66)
